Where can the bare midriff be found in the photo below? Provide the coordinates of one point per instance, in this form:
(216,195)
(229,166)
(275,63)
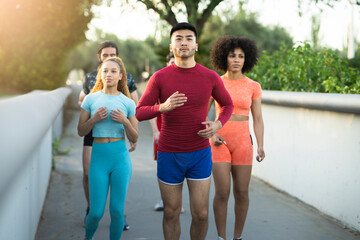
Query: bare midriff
(106,140)
(238,118)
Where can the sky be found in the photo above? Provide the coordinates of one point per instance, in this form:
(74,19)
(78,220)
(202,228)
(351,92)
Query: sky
(140,23)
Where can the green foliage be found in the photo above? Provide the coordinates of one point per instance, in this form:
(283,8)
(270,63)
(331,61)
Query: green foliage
(35,37)
(315,29)
(83,57)
(267,38)
(355,62)
(56,149)
(301,68)
(137,55)
(161,48)
(331,3)
(242,23)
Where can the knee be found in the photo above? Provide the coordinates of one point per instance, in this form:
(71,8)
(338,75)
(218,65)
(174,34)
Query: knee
(222,195)
(200,215)
(171,212)
(116,211)
(95,215)
(241,194)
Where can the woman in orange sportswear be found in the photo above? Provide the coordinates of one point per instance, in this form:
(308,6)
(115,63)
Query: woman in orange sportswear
(231,146)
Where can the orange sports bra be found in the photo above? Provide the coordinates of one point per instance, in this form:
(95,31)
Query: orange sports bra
(242,92)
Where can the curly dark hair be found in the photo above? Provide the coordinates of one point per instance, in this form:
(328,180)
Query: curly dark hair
(226,44)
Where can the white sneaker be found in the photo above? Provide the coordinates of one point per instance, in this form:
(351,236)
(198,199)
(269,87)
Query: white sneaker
(159,206)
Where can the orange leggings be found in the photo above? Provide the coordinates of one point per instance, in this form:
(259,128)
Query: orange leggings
(238,149)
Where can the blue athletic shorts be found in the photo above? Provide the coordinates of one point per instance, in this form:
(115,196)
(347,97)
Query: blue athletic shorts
(173,168)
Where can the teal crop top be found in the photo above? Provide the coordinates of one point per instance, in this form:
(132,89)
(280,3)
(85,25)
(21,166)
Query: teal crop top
(108,127)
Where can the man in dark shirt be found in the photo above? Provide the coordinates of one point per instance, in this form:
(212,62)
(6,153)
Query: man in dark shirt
(105,50)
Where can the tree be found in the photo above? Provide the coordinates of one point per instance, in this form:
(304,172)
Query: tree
(267,38)
(137,55)
(35,37)
(197,11)
(329,2)
(237,22)
(241,23)
(315,29)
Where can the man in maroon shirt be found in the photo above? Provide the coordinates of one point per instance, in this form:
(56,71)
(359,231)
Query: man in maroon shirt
(183,90)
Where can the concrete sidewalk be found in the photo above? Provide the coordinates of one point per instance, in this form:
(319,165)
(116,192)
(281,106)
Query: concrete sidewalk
(272,215)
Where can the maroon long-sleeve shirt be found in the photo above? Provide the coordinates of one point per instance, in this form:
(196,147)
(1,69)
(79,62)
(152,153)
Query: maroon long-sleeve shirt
(180,126)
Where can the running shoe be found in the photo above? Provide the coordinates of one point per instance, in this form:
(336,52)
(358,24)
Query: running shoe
(159,206)
(182,210)
(126,225)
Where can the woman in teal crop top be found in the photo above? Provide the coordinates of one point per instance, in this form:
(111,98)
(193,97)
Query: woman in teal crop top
(110,113)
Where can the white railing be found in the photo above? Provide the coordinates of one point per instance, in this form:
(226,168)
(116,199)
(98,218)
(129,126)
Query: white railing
(312,145)
(28,125)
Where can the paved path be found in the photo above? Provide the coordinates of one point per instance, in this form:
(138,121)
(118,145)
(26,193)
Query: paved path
(272,215)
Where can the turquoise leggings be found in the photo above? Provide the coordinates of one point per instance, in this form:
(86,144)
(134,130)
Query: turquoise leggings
(110,166)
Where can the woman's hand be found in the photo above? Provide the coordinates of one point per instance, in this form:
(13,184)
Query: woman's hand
(132,147)
(218,139)
(100,114)
(118,116)
(260,154)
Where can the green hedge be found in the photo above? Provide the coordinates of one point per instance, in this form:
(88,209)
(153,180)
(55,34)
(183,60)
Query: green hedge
(304,69)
